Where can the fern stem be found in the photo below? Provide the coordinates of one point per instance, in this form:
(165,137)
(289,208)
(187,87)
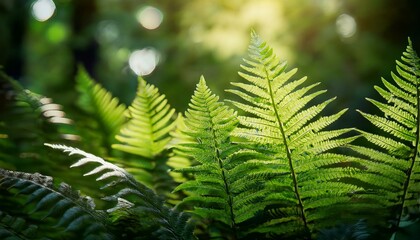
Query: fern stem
(227,189)
(288,153)
(416,145)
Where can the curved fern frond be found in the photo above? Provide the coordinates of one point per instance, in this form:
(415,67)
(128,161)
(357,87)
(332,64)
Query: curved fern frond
(282,124)
(224,187)
(147,136)
(170,223)
(104,110)
(393,167)
(74,213)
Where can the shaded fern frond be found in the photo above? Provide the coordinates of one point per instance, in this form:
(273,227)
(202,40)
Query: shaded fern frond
(393,164)
(136,197)
(224,187)
(146,135)
(27,120)
(74,213)
(104,110)
(280,122)
(16,228)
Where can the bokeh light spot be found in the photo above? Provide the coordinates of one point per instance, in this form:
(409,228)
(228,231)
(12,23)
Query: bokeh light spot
(42,10)
(57,32)
(149,17)
(143,61)
(107,32)
(346,25)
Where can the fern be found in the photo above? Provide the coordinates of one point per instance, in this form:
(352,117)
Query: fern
(105,113)
(133,197)
(27,121)
(146,135)
(279,124)
(224,187)
(74,213)
(392,167)
(16,228)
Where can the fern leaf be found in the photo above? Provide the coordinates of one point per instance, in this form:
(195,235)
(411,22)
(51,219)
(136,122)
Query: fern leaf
(28,120)
(147,132)
(223,188)
(395,154)
(75,213)
(123,189)
(105,111)
(146,135)
(281,123)
(16,228)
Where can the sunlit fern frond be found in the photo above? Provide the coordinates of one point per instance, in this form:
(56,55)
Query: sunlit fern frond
(179,159)
(127,194)
(280,122)
(146,135)
(224,187)
(73,213)
(393,164)
(105,112)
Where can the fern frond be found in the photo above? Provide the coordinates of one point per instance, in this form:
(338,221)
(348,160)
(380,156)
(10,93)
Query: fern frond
(146,135)
(27,121)
(74,213)
(281,123)
(121,185)
(104,110)
(226,185)
(147,132)
(16,228)
(395,156)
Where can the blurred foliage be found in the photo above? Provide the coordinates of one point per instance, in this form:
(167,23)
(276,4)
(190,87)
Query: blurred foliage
(203,37)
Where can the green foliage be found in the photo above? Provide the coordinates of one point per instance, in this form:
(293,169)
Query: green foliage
(126,192)
(281,125)
(220,189)
(392,163)
(74,213)
(146,135)
(15,227)
(105,113)
(278,169)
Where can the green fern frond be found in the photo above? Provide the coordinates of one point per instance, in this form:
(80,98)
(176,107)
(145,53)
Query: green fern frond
(224,187)
(280,122)
(74,213)
(179,159)
(146,135)
(136,197)
(147,132)
(393,166)
(104,110)
(16,228)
